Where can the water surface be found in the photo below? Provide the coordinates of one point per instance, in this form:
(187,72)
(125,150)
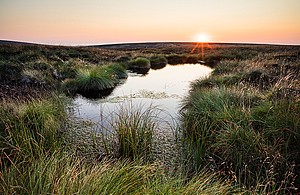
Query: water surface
(164,88)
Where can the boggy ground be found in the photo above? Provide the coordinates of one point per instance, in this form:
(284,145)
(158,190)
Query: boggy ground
(239,126)
(35,66)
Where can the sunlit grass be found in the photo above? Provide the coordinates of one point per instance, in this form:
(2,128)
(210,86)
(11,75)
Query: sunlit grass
(96,78)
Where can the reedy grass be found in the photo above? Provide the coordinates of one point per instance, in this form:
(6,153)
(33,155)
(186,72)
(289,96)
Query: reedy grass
(224,125)
(227,140)
(133,128)
(96,78)
(139,63)
(250,129)
(67,174)
(158,60)
(119,70)
(69,86)
(30,128)
(176,59)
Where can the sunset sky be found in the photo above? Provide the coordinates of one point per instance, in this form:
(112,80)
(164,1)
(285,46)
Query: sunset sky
(85,22)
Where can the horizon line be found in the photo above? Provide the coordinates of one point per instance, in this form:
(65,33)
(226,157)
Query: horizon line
(139,42)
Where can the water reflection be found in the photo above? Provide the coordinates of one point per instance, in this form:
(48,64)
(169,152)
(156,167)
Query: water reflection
(96,94)
(158,66)
(142,71)
(163,87)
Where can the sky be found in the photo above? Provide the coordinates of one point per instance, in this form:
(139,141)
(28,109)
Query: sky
(89,22)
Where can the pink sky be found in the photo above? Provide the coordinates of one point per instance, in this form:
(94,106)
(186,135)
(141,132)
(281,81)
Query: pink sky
(78,22)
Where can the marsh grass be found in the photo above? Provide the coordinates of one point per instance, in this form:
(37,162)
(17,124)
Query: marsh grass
(30,128)
(96,78)
(174,59)
(158,61)
(62,170)
(139,63)
(133,128)
(118,70)
(240,124)
(67,174)
(223,125)
(243,119)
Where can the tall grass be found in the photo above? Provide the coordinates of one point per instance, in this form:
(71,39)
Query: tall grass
(139,63)
(67,174)
(133,128)
(241,133)
(96,78)
(118,70)
(158,61)
(243,122)
(40,166)
(30,128)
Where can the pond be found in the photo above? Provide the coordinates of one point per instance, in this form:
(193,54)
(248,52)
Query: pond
(163,88)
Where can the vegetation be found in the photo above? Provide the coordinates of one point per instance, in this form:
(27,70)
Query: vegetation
(245,117)
(158,61)
(134,128)
(30,128)
(67,174)
(139,63)
(96,78)
(238,131)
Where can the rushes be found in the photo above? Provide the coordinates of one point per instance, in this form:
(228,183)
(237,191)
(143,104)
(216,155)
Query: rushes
(139,63)
(30,128)
(67,174)
(134,128)
(243,118)
(97,78)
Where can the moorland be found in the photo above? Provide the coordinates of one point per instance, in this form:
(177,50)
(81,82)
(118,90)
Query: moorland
(237,133)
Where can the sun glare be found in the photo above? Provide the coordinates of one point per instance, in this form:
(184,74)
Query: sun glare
(202,38)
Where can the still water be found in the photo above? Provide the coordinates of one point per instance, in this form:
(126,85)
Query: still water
(163,88)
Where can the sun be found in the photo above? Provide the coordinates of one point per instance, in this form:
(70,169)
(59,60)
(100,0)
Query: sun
(202,37)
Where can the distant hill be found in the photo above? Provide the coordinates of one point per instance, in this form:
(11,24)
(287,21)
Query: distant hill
(152,45)
(16,42)
(165,44)
(140,45)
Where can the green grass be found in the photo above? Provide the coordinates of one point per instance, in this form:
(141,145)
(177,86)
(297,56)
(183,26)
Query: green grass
(243,121)
(133,127)
(30,128)
(176,59)
(96,78)
(158,61)
(37,160)
(67,174)
(118,70)
(139,63)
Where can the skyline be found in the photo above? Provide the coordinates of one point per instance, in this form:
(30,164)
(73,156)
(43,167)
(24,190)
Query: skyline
(93,22)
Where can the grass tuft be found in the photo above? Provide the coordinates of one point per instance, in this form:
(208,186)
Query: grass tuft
(96,78)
